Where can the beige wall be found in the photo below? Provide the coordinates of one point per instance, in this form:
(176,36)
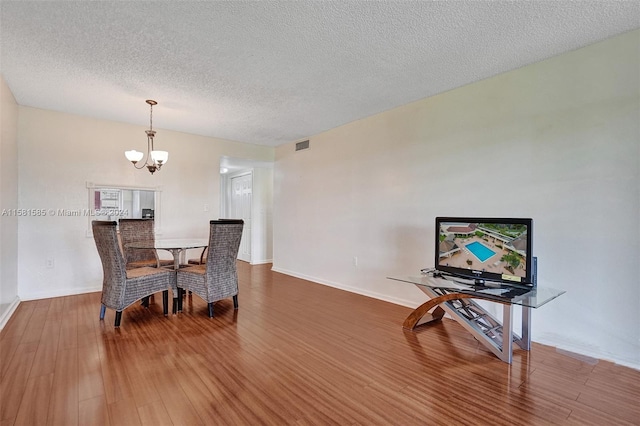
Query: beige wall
(8,201)
(558,141)
(59,153)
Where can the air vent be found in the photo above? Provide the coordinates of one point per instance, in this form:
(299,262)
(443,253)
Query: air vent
(302,145)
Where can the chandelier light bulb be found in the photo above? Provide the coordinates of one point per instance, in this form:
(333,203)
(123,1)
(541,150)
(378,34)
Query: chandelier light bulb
(133,155)
(160,157)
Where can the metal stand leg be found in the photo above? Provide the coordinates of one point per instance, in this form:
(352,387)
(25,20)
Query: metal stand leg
(525,341)
(506,352)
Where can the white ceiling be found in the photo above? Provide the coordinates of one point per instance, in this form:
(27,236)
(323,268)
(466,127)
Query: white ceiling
(273,72)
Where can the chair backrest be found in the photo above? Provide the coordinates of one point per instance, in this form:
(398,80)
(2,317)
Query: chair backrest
(224,243)
(113,265)
(205,252)
(136,231)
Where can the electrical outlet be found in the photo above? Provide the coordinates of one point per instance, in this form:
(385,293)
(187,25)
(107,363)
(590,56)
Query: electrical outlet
(355,261)
(206,207)
(50,263)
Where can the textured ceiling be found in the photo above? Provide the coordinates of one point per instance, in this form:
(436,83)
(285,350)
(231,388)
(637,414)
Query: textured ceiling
(274,72)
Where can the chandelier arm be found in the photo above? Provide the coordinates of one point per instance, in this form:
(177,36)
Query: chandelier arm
(142,166)
(147,156)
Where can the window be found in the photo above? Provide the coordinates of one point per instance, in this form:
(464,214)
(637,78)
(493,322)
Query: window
(113,202)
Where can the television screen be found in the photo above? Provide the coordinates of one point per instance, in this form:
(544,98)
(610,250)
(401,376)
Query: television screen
(491,249)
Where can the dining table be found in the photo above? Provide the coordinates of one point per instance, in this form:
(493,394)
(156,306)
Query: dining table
(177,247)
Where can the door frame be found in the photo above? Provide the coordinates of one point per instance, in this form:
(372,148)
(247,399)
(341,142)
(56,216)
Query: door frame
(225,205)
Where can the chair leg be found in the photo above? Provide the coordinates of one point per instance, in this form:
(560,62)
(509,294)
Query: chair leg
(102,311)
(145,302)
(235,302)
(211,310)
(165,302)
(118,318)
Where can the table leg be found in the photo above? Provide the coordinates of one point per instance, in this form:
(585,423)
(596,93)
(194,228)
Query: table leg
(177,299)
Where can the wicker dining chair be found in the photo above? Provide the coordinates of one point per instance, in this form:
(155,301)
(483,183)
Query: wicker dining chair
(217,279)
(121,287)
(203,256)
(135,231)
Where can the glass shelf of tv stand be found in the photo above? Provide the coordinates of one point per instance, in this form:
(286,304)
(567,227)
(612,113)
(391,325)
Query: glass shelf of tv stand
(532,298)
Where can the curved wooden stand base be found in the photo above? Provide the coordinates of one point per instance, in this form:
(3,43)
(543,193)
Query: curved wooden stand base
(421,312)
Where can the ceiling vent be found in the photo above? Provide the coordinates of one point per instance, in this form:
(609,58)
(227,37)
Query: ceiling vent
(302,145)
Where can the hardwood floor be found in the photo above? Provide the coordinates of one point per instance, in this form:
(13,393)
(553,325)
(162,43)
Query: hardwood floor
(294,353)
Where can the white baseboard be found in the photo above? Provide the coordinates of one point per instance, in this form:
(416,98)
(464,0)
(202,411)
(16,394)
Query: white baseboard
(587,351)
(261,262)
(59,292)
(363,292)
(12,308)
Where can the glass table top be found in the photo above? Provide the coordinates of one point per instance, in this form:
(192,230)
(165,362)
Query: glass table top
(171,243)
(533,297)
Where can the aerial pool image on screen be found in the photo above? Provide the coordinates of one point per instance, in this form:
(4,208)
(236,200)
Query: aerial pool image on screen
(496,248)
(480,251)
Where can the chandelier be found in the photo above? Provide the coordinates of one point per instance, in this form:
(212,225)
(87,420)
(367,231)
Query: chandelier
(155,159)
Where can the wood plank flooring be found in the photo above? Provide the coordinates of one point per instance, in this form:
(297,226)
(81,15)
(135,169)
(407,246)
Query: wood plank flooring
(295,353)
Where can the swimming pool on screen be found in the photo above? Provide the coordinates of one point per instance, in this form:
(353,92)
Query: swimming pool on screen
(480,251)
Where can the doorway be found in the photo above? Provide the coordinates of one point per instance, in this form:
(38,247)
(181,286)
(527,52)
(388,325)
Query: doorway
(246,188)
(240,208)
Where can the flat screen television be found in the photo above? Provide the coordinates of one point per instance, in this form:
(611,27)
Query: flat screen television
(486,249)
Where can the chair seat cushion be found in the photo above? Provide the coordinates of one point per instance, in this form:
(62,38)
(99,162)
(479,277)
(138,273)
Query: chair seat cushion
(196,261)
(195,269)
(143,272)
(148,262)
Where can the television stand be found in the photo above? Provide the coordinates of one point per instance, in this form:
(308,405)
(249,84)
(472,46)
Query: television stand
(456,300)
